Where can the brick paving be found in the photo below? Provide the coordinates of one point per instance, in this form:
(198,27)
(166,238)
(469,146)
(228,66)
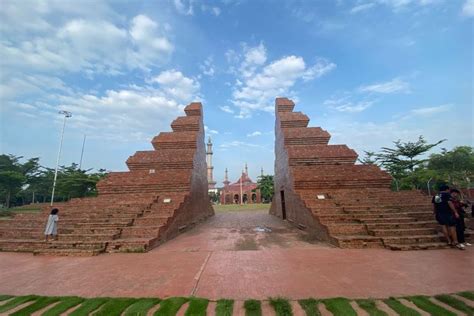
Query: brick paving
(226,257)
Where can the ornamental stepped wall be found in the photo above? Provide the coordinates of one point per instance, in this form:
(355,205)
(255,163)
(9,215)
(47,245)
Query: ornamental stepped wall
(355,207)
(164,193)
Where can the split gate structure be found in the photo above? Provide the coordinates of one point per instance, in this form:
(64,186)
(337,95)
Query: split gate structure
(319,188)
(164,193)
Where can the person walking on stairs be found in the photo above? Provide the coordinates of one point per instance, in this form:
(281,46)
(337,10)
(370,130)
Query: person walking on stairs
(52,225)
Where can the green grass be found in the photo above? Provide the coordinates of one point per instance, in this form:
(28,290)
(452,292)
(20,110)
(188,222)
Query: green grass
(468,295)
(455,303)
(65,304)
(253,308)
(281,306)
(170,306)
(115,306)
(238,207)
(310,306)
(40,303)
(17,301)
(370,307)
(197,307)
(339,306)
(224,307)
(141,307)
(400,308)
(5,297)
(424,303)
(88,306)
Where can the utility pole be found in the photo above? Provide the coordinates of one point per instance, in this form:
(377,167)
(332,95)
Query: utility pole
(66,115)
(82,151)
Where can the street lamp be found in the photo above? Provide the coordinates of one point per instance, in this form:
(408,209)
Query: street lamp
(66,115)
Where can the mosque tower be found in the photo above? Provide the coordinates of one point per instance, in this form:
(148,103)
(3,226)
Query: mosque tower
(210,168)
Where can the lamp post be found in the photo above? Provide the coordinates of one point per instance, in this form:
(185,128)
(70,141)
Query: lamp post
(66,115)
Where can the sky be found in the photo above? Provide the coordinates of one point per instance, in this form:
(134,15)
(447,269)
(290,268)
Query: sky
(368,71)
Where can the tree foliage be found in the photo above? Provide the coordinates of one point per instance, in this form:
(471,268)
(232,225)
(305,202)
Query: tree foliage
(27,182)
(412,168)
(265,184)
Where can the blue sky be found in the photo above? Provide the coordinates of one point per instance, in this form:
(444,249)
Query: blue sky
(368,71)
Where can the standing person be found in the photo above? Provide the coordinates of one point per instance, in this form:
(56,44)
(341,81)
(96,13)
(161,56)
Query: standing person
(52,225)
(446,215)
(459,204)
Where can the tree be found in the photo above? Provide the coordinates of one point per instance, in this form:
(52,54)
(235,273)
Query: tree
(12,176)
(403,160)
(369,158)
(455,166)
(265,184)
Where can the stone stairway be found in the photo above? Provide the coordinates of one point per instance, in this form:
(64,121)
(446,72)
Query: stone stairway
(319,187)
(164,193)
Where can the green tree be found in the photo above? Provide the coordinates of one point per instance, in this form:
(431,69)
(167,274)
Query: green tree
(404,159)
(369,158)
(455,166)
(265,184)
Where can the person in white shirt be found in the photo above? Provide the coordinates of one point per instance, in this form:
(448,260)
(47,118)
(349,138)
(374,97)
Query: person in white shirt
(52,225)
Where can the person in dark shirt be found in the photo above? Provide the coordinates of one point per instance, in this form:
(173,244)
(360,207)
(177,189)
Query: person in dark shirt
(459,204)
(446,215)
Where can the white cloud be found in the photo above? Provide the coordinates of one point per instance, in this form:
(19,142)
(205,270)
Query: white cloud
(392,86)
(429,111)
(184,6)
(468,8)
(216,11)
(134,113)
(207,67)
(80,42)
(237,143)
(346,105)
(257,83)
(226,109)
(177,86)
(254,134)
(210,131)
(362,7)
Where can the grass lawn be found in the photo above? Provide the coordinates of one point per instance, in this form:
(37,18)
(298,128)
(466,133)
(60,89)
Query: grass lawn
(370,307)
(244,207)
(281,306)
(224,307)
(195,306)
(310,306)
(425,304)
(253,308)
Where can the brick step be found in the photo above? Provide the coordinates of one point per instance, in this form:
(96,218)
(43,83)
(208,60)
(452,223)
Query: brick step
(98,225)
(88,237)
(87,217)
(418,215)
(419,246)
(90,230)
(358,241)
(347,229)
(130,245)
(418,239)
(151,220)
(30,245)
(418,224)
(21,233)
(141,232)
(68,252)
(406,219)
(96,220)
(402,232)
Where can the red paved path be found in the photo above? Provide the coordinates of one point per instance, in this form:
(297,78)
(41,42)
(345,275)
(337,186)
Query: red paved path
(214,261)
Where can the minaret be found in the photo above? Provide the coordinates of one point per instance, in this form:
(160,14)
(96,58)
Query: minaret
(261,172)
(226,179)
(246,169)
(210,168)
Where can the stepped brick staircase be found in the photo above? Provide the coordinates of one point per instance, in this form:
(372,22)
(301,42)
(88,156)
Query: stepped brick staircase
(319,187)
(164,193)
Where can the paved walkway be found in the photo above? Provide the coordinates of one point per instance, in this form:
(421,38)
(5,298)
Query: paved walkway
(226,257)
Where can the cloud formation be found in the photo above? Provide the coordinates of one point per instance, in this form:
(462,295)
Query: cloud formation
(258,82)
